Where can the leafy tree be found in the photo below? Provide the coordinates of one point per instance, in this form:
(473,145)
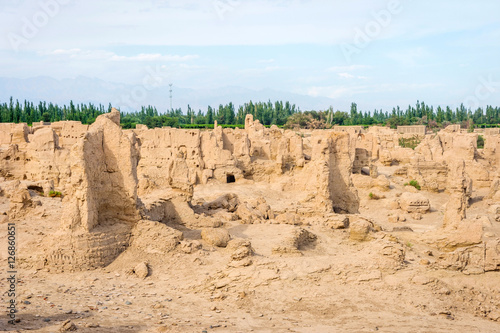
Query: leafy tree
(46,117)
(229,115)
(210,115)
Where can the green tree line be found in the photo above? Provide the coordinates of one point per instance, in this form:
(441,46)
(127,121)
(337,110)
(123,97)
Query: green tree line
(27,112)
(269,113)
(278,113)
(420,114)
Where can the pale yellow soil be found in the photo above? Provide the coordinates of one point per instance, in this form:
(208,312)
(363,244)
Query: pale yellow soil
(334,285)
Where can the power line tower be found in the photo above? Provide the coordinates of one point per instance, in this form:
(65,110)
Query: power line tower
(171,110)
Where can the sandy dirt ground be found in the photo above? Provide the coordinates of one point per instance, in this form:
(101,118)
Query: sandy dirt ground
(330,285)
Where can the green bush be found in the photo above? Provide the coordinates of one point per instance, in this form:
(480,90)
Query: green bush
(409,142)
(413,183)
(53,194)
(480,142)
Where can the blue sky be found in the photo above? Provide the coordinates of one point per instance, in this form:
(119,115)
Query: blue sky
(376,53)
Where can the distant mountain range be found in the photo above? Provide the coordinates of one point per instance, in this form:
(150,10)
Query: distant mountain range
(129,97)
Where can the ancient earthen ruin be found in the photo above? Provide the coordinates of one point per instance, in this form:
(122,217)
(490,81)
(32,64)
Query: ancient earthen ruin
(228,230)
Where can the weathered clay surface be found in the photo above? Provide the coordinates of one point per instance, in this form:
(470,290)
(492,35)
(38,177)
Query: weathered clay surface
(414,203)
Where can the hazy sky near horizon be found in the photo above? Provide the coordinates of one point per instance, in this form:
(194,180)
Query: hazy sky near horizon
(376,53)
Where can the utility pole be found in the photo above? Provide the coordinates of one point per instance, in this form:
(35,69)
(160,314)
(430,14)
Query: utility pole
(171,110)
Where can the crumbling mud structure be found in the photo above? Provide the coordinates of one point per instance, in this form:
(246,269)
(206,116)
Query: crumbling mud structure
(259,219)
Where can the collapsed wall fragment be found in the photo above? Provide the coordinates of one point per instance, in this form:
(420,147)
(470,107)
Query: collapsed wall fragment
(100,205)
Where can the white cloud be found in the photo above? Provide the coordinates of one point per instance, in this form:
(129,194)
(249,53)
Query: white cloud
(350,76)
(78,54)
(409,57)
(347,68)
(155,57)
(64,52)
(344,71)
(346,75)
(260,71)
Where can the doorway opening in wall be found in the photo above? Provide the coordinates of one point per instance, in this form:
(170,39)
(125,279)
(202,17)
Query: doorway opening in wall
(230,178)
